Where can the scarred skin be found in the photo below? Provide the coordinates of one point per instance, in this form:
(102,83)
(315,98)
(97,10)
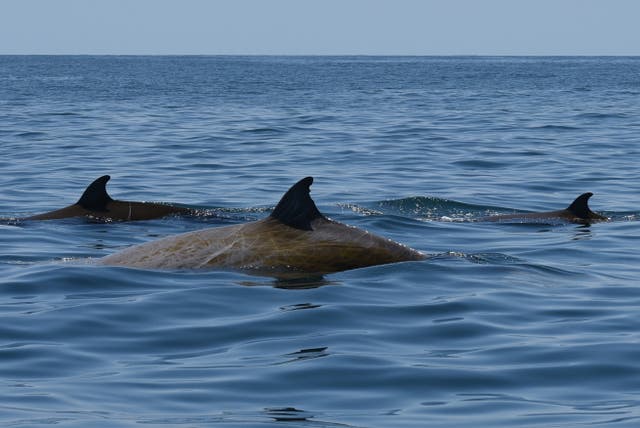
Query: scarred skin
(269,246)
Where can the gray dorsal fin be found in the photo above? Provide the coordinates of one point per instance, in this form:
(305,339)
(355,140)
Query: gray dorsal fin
(296,208)
(580,206)
(95,196)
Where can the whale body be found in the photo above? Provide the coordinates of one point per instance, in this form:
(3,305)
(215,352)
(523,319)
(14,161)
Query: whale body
(95,202)
(577,212)
(296,237)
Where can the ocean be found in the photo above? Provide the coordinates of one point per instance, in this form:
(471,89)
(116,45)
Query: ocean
(505,324)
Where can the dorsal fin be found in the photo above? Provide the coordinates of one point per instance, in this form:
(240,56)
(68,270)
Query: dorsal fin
(580,206)
(296,208)
(95,196)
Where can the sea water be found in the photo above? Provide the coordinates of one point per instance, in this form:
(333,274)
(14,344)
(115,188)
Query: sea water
(505,324)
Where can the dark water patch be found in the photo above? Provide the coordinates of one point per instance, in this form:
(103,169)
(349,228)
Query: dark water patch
(267,130)
(61,113)
(315,119)
(33,135)
(550,127)
(267,417)
(480,164)
(532,153)
(602,116)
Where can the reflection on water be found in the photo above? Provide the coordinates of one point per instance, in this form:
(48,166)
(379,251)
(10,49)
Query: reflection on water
(290,281)
(582,232)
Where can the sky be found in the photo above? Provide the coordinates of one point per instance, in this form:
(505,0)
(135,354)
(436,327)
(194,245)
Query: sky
(320,27)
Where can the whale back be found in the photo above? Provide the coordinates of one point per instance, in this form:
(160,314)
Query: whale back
(129,211)
(577,212)
(70,211)
(95,202)
(268,246)
(296,237)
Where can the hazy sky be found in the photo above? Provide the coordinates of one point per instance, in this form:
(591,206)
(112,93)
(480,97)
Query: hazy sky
(366,27)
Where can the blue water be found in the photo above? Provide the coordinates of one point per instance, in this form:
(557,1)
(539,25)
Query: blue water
(528,325)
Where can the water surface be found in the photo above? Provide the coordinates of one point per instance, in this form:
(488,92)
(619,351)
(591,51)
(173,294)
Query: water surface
(505,325)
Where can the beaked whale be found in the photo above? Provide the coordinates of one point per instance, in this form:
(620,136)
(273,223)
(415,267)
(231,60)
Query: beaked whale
(95,202)
(295,238)
(577,212)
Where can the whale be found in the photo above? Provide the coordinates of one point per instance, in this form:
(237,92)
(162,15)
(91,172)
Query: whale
(294,239)
(95,202)
(577,212)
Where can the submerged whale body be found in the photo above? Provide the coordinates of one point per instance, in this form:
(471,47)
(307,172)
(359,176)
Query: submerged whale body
(95,202)
(296,237)
(577,212)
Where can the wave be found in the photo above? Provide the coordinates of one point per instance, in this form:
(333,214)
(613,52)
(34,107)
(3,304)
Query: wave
(31,134)
(594,115)
(483,164)
(426,208)
(266,130)
(555,127)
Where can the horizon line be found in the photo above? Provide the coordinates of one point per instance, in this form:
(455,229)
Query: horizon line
(329,55)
